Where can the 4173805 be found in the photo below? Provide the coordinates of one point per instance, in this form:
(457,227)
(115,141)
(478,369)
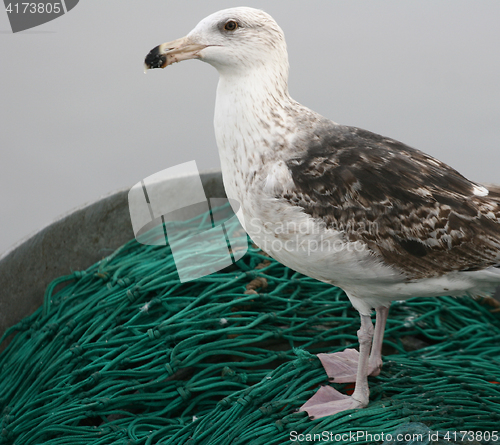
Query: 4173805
(34,8)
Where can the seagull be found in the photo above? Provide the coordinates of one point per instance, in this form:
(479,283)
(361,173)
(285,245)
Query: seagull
(364,212)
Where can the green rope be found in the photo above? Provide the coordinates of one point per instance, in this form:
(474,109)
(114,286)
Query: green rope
(126,354)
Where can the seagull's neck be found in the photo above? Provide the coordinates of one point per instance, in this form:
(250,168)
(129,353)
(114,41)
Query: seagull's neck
(251,111)
(251,124)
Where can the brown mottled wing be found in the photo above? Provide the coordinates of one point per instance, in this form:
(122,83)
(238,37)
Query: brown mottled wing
(417,213)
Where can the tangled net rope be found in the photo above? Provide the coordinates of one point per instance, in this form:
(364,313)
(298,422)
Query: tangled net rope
(126,354)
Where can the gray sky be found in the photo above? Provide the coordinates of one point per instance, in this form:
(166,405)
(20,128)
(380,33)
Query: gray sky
(79,118)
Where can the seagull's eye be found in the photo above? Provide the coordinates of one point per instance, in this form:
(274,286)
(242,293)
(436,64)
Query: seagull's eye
(231,25)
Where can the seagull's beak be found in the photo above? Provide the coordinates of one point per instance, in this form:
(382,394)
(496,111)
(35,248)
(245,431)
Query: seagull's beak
(172,52)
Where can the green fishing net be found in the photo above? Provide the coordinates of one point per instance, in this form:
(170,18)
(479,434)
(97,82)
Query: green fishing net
(123,353)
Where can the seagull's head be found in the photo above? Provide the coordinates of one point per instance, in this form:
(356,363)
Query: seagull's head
(232,40)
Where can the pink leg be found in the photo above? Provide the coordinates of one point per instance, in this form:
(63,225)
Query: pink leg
(342,367)
(378,339)
(328,401)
